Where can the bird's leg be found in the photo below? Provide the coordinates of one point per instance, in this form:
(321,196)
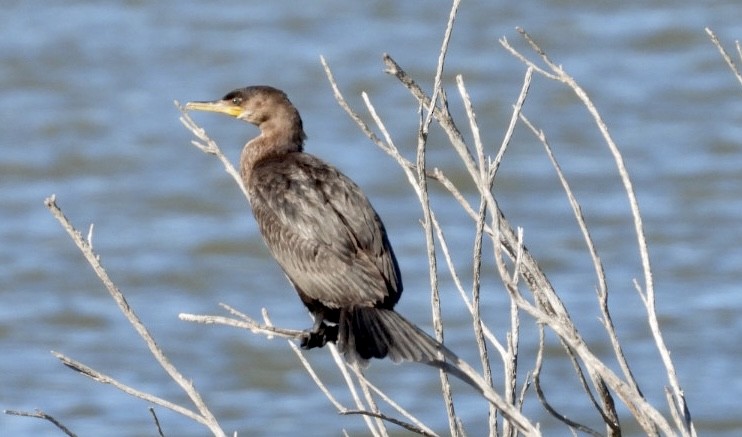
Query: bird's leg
(319,334)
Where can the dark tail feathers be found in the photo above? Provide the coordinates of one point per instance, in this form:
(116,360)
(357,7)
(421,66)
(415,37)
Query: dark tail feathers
(367,333)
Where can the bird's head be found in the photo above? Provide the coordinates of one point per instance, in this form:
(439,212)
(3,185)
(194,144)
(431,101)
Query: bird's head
(254,104)
(264,106)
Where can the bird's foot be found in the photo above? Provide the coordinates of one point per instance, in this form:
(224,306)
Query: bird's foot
(318,336)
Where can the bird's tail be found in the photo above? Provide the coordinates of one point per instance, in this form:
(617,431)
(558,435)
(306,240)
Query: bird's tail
(366,333)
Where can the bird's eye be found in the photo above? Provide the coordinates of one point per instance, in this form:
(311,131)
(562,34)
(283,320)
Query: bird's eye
(237,101)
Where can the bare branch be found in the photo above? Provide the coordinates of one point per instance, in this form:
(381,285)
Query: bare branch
(513,120)
(422,181)
(725,55)
(157,422)
(477,316)
(248,323)
(391,402)
(105,379)
(205,415)
(542,397)
(557,73)
(609,413)
(405,425)
(209,146)
(42,415)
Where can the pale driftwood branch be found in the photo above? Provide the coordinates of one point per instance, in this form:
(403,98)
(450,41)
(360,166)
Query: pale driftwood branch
(542,397)
(597,263)
(42,415)
(557,73)
(370,401)
(315,377)
(422,181)
(477,318)
(204,414)
(513,121)
(389,401)
(400,423)
(608,411)
(552,310)
(725,55)
(209,146)
(443,118)
(105,379)
(310,370)
(502,230)
(608,415)
(644,412)
(308,367)
(473,126)
(409,170)
(477,252)
(249,324)
(340,362)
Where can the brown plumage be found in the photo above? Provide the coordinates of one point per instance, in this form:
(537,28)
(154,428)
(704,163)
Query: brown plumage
(324,233)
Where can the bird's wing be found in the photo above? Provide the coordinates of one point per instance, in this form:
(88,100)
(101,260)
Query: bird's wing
(324,233)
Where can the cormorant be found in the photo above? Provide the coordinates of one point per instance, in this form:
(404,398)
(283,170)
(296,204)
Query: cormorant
(324,233)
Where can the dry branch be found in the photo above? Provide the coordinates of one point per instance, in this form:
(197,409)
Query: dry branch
(204,415)
(42,415)
(727,58)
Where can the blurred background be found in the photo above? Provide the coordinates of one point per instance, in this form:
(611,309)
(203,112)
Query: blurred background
(86,110)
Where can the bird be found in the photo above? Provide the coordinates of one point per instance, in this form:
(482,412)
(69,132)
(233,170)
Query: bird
(324,233)
(332,246)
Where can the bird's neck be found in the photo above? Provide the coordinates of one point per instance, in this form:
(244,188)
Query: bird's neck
(267,145)
(283,129)
(280,135)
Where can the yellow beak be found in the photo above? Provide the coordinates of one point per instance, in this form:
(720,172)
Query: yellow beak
(216,106)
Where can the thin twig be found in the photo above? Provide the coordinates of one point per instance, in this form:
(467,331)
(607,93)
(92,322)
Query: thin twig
(414,420)
(384,417)
(209,146)
(157,422)
(471,116)
(608,412)
(513,120)
(310,370)
(370,401)
(542,397)
(425,204)
(340,362)
(42,415)
(249,324)
(105,379)
(308,367)
(725,55)
(476,313)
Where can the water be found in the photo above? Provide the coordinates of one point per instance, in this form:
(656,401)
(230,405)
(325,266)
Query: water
(87,113)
